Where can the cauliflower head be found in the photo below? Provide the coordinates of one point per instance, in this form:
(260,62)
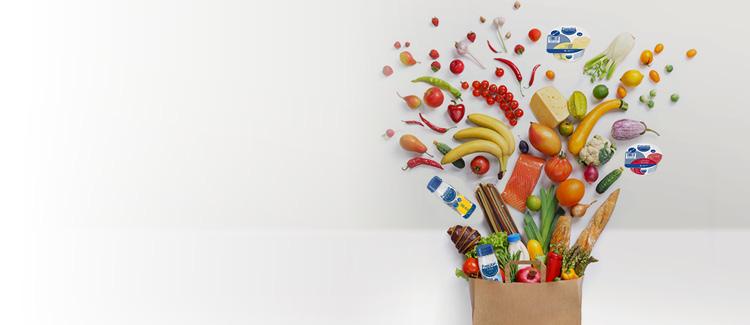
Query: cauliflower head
(597,151)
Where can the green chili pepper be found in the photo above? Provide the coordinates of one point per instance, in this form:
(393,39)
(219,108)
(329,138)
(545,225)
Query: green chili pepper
(440,83)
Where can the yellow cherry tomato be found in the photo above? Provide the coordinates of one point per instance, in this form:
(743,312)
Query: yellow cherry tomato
(621,92)
(658,48)
(691,53)
(654,76)
(647,57)
(550,74)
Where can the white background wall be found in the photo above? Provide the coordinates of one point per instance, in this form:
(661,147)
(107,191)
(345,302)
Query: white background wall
(157,155)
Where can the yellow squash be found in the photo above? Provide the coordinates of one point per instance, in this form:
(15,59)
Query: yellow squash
(577,140)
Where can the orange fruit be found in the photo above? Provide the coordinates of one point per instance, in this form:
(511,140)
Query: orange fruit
(570,192)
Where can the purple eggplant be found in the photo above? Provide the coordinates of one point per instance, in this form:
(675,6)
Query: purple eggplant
(626,129)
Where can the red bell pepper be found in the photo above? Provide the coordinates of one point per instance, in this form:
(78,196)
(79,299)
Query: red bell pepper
(554,266)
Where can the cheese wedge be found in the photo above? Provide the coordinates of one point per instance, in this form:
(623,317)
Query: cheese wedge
(549,106)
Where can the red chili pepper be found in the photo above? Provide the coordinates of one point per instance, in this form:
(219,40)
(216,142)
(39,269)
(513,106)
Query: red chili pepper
(554,266)
(413,122)
(515,70)
(513,67)
(533,73)
(491,48)
(434,127)
(416,161)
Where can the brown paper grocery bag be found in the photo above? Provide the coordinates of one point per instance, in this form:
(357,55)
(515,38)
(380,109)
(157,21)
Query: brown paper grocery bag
(546,303)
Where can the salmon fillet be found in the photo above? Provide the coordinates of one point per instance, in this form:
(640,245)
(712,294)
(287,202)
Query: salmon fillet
(522,182)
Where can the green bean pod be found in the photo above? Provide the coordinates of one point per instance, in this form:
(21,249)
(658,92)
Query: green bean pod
(440,83)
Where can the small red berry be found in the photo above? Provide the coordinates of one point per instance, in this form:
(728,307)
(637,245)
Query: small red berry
(435,21)
(464,85)
(519,49)
(499,72)
(435,66)
(397,45)
(434,54)
(457,66)
(471,36)
(475,84)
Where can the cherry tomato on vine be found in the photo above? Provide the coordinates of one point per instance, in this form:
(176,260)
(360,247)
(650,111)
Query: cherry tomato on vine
(502,89)
(475,84)
(518,112)
(513,122)
(490,101)
(499,72)
(493,88)
(475,92)
(514,104)
(485,84)
(508,96)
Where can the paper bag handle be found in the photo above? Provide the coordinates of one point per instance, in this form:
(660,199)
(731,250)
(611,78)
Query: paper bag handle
(535,263)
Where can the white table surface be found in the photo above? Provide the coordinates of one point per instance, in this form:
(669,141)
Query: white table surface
(183,276)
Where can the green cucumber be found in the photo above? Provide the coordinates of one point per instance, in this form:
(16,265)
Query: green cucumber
(444,148)
(608,180)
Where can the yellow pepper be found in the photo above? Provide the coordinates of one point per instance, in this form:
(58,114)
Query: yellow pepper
(535,249)
(569,274)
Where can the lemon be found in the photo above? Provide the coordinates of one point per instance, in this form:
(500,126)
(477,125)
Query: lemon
(631,78)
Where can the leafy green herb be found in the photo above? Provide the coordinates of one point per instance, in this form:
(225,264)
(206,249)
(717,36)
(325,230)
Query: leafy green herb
(460,274)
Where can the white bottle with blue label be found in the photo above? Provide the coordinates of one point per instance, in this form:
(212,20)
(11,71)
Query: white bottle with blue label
(488,266)
(515,245)
(451,197)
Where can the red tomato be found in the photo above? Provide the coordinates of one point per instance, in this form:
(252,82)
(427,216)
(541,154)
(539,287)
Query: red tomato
(457,66)
(558,168)
(471,267)
(433,97)
(535,34)
(480,165)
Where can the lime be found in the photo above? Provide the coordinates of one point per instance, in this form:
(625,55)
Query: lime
(600,91)
(533,203)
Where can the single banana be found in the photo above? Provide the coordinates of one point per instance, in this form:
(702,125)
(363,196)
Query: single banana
(474,146)
(496,125)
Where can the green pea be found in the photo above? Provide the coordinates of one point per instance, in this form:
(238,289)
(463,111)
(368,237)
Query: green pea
(650,104)
(642,99)
(669,68)
(652,93)
(675,97)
